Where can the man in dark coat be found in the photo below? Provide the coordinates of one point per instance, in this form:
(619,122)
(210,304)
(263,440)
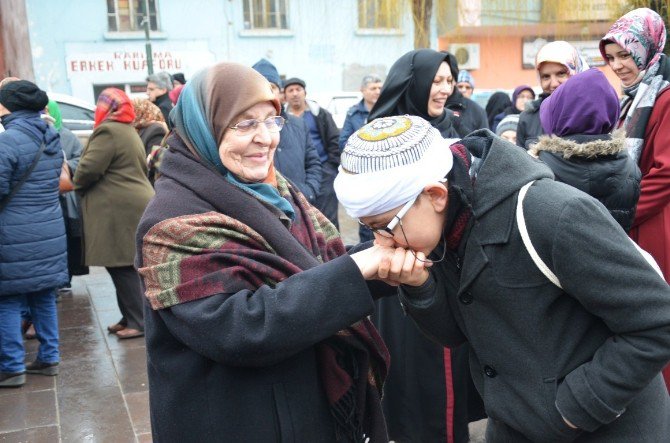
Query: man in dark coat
(33,251)
(158,87)
(572,352)
(469,115)
(296,158)
(357,115)
(324,135)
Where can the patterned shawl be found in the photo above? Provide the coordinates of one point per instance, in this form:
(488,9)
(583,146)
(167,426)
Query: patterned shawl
(113,105)
(641,32)
(240,246)
(146,113)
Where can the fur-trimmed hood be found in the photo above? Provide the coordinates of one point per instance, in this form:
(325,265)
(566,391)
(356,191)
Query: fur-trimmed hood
(594,147)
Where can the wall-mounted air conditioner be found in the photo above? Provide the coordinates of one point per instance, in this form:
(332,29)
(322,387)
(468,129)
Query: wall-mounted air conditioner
(467,54)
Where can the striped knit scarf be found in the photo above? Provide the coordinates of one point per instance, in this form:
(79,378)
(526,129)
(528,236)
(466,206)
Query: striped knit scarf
(192,257)
(638,104)
(460,192)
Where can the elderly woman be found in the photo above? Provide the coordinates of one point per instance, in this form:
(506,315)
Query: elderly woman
(151,128)
(149,123)
(256,321)
(112,181)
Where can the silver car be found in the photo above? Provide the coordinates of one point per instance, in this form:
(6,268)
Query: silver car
(78,115)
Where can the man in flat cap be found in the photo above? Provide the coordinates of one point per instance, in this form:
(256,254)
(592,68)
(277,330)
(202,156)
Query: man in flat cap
(324,134)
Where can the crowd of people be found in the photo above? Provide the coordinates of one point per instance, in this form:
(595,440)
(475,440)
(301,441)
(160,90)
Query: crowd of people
(513,260)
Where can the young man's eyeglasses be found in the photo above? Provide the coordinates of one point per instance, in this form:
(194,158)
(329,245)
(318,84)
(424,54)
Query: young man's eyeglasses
(273,124)
(387,231)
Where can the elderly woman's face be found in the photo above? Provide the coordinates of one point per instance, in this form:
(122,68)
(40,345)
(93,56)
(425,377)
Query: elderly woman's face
(249,155)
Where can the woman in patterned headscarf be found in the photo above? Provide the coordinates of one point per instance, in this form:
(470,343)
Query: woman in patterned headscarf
(149,122)
(633,48)
(257,323)
(112,181)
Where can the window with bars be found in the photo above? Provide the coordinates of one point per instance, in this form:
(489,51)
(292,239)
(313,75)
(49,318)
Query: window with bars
(127,15)
(379,14)
(265,14)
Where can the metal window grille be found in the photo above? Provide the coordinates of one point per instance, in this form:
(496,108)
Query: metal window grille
(379,14)
(127,15)
(265,14)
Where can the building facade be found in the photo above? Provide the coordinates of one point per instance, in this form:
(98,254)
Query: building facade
(497,40)
(79,47)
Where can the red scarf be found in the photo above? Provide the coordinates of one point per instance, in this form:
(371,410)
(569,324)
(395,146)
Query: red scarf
(114,105)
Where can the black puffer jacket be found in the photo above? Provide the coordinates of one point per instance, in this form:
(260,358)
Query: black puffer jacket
(598,165)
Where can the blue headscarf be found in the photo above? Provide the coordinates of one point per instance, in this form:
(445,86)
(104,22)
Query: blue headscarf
(205,110)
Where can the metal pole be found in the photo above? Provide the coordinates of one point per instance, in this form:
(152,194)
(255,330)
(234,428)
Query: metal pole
(147,45)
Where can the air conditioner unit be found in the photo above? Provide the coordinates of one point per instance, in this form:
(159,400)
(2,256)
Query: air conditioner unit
(467,54)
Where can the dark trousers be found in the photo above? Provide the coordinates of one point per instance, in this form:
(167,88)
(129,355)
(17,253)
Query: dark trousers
(128,295)
(326,201)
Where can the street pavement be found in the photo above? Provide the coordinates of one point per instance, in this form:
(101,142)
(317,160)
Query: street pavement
(101,393)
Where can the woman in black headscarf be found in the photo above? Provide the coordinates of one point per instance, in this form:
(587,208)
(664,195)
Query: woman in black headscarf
(419,83)
(429,395)
(497,103)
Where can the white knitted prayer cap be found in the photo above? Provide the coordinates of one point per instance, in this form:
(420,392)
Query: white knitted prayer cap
(388,162)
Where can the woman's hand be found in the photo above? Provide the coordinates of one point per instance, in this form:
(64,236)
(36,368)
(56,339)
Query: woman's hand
(369,260)
(406,267)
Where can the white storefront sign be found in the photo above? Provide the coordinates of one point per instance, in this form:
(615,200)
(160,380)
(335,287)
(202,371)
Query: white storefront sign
(88,65)
(125,61)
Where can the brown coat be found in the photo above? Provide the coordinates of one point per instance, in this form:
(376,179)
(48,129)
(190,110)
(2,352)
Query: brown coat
(112,181)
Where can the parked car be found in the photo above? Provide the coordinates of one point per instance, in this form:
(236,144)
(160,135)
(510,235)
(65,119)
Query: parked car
(78,115)
(337,103)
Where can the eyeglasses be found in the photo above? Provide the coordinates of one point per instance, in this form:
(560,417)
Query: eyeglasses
(273,124)
(387,231)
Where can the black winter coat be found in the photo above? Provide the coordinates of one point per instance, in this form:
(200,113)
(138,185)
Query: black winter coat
(296,157)
(165,105)
(468,115)
(242,367)
(328,131)
(597,165)
(530,128)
